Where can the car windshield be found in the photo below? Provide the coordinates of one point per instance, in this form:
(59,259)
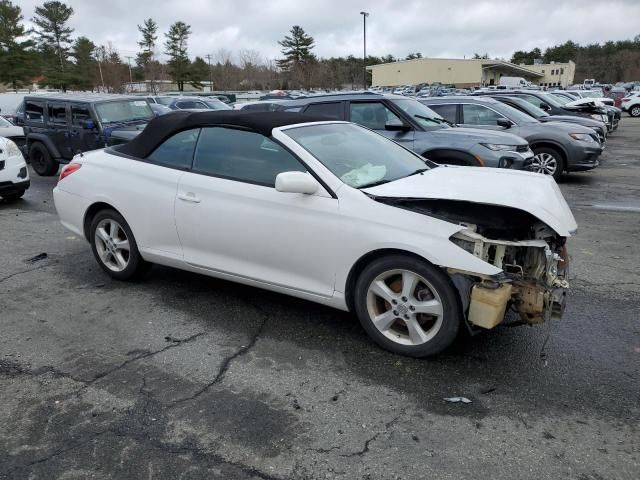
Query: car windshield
(124,111)
(551,99)
(216,104)
(422,114)
(562,100)
(165,100)
(358,156)
(591,95)
(5,123)
(530,108)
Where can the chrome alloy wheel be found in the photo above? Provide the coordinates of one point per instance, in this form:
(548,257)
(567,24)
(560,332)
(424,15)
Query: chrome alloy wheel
(112,245)
(404,307)
(544,163)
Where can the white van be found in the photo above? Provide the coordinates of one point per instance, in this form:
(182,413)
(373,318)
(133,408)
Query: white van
(514,82)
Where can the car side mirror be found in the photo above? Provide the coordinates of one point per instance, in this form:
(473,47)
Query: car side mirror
(296,182)
(88,125)
(504,122)
(396,126)
(545,107)
(19,121)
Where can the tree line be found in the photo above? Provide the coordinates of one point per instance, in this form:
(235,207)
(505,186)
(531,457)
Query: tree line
(609,62)
(50,54)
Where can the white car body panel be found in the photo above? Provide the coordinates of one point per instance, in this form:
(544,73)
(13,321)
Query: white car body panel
(302,245)
(11,131)
(12,164)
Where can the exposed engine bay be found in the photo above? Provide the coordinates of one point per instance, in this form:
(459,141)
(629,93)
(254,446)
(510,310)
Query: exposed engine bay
(533,259)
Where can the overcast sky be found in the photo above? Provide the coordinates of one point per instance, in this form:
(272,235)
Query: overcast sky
(436,28)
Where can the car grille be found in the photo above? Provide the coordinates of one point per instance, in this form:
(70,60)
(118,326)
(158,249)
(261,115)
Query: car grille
(522,148)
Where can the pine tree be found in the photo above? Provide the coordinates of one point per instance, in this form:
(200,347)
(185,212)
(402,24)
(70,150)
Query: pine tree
(149,31)
(296,49)
(176,48)
(199,72)
(54,37)
(83,72)
(16,57)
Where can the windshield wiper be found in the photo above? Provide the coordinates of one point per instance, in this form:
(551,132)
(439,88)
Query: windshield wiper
(435,120)
(373,184)
(420,170)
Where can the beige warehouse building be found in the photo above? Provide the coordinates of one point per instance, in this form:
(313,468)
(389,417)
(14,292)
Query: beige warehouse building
(466,72)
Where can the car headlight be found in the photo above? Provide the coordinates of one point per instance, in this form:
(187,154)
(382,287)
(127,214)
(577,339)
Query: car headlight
(583,137)
(600,118)
(12,149)
(499,146)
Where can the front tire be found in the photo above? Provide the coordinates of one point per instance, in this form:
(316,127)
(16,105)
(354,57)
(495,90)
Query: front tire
(41,161)
(547,161)
(114,246)
(635,111)
(407,306)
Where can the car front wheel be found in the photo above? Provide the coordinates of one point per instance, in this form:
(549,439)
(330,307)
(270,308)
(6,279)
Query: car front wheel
(114,246)
(407,306)
(547,161)
(635,111)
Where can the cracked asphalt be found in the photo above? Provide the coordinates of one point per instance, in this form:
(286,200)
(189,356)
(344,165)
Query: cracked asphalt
(184,376)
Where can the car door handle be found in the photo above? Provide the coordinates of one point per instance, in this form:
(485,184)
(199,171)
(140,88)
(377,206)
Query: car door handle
(189,197)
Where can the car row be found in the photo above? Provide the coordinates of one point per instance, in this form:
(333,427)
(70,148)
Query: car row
(331,212)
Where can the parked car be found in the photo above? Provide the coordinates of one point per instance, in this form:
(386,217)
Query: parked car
(330,212)
(261,106)
(12,132)
(557,147)
(415,126)
(613,114)
(58,126)
(520,104)
(165,100)
(552,105)
(159,109)
(631,104)
(14,175)
(197,103)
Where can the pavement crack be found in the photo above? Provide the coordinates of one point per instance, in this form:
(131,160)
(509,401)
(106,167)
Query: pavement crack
(148,354)
(21,272)
(364,450)
(226,363)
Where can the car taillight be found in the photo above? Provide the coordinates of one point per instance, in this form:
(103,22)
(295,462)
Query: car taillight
(68,170)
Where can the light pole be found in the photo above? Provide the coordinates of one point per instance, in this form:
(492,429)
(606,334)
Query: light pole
(364,57)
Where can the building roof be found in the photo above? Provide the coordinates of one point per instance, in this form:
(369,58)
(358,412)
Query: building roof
(164,126)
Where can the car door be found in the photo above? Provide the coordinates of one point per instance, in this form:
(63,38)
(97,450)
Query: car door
(83,138)
(59,131)
(231,220)
(376,115)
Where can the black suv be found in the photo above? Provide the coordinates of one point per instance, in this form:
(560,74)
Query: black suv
(59,126)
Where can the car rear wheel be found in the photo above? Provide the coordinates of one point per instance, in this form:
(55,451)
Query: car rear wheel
(114,246)
(547,161)
(407,306)
(635,111)
(41,160)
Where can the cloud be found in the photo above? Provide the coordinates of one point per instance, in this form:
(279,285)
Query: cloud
(454,28)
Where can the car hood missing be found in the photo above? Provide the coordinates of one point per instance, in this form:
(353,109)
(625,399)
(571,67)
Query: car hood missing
(533,193)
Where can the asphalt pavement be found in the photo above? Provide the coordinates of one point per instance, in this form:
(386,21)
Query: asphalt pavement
(184,376)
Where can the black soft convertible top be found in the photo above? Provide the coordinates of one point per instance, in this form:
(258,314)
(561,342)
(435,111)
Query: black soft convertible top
(164,126)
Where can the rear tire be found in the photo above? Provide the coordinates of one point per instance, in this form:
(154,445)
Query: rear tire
(548,161)
(115,247)
(12,197)
(635,111)
(407,305)
(41,161)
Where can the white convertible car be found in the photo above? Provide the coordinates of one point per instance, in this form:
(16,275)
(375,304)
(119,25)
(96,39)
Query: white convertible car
(330,212)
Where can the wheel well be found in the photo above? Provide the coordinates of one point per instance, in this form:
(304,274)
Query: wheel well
(92,211)
(552,146)
(365,260)
(453,157)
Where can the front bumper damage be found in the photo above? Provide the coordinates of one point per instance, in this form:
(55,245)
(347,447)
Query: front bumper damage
(533,281)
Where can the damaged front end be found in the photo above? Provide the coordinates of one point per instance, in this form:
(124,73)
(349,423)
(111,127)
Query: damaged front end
(534,279)
(532,256)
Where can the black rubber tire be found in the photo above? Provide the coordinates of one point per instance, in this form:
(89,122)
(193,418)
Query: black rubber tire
(12,197)
(137,265)
(41,161)
(635,111)
(452,315)
(557,155)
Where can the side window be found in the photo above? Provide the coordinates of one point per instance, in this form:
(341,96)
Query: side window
(200,105)
(176,151)
(533,100)
(331,110)
(479,115)
(57,114)
(373,115)
(186,104)
(240,155)
(79,115)
(34,111)
(448,112)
